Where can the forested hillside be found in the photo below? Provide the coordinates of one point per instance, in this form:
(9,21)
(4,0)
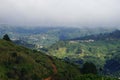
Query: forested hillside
(20,63)
(103,50)
(103,36)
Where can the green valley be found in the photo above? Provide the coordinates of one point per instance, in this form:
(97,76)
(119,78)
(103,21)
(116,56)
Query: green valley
(59,39)
(20,63)
(100,52)
(65,54)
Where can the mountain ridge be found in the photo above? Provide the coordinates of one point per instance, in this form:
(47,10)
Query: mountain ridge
(106,36)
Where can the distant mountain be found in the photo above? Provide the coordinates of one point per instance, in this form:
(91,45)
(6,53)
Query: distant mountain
(103,36)
(46,36)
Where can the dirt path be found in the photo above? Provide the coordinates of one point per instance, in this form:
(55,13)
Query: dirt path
(49,78)
(54,69)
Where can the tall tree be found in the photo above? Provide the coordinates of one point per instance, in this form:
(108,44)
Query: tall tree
(6,37)
(89,68)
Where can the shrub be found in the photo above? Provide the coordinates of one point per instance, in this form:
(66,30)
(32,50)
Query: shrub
(89,68)
(6,37)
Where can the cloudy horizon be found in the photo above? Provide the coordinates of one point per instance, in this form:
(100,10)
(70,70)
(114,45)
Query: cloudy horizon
(60,12)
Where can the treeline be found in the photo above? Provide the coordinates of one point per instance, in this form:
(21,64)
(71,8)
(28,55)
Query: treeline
(106,36)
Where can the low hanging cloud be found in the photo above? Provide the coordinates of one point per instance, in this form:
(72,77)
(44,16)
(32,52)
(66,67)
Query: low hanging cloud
(60,12)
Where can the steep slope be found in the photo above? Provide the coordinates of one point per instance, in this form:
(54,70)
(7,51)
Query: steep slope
(20,63)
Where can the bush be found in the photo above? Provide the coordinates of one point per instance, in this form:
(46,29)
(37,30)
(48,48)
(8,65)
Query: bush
(89,68)
(14,54)
(6,37)
(11,74)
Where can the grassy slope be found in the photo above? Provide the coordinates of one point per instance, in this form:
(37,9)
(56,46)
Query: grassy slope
(14,59)
(97,52)
(20,63)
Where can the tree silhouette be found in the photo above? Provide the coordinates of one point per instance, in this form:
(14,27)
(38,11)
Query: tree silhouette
(6,37)
(89,68)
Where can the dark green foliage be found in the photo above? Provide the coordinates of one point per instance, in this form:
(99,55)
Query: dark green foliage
(35,77)
(19,59)
(89,68)
(97,52)
(34,51)
(15,64)
(11,74)
(93,77)
(14,54)
(6,37)
(106,36)
(24,71)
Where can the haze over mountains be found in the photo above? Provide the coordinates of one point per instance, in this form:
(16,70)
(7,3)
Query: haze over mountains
(60,12)
(59,39)
(103,52)
(45,36)
(75,47)
(20,63)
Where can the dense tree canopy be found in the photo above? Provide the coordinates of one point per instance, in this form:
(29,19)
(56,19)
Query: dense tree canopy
(6,37)
(89,68)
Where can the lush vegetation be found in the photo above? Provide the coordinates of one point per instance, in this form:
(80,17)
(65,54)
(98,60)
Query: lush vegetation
(73,58)
(20,63)
(103,52)
(6,37)
(103,36)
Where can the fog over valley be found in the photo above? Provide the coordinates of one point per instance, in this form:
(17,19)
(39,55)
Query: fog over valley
(67,13)
(59,39)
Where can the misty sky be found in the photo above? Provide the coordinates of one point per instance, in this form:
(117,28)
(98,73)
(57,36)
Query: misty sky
(60,12)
